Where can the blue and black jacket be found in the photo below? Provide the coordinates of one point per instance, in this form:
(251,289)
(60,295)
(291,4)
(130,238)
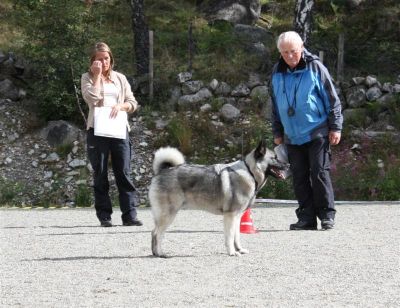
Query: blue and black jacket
(305,104)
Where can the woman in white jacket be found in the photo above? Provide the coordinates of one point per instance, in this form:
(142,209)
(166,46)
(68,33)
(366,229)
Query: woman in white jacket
(105,90)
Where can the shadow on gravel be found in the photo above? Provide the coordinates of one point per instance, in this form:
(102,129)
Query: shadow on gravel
(92,233)
(193,231)
(122,232)
(14,228)
(47,227)
(271,231)
(88,258)
(115,258)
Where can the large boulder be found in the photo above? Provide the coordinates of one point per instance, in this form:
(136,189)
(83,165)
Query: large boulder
(260,93)
(229,113)
(240,90)
(60,132)
(373,93)
(192,86)
(223,89)
(233,11)
(356,96)
(192,99)
(254,40)
(9,90)
(252,34)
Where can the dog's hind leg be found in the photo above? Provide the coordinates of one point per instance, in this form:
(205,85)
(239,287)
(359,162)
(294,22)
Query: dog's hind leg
(238,245)
(229,232)
(161,224)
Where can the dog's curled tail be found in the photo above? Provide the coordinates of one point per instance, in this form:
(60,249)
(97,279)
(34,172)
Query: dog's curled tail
(166,158)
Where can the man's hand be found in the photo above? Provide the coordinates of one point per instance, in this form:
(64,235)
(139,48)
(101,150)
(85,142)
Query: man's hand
(278,140)
(334,137)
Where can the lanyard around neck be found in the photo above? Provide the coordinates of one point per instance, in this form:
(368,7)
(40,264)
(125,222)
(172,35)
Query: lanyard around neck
(291,107)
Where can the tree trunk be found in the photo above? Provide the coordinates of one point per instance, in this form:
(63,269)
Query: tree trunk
(303,18)
(141,37)
(340,64)
(190,46)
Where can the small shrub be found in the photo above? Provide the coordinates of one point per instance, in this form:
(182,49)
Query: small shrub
(373,109)
(180,134)
(52,196)
(148,119)
(215,38)
(216,104)
(359,119)
(9,190)
(83,196)
(394,110)
(64,149)
(388,187)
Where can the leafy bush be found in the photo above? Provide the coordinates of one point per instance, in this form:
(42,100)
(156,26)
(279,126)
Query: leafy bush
(64,149)
(83,196)
(58,34)
(370,172)
(394,111)
(215,38)
(180,134)
(53,195)
(9,191)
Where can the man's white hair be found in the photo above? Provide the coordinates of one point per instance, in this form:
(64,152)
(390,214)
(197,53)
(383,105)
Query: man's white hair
(289,37)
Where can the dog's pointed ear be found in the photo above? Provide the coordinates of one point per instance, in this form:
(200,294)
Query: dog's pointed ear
(260,150)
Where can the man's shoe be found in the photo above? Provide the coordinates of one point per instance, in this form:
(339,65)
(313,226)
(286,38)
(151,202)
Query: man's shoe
(303,225)
(105,223)
(135,222)
(327,224)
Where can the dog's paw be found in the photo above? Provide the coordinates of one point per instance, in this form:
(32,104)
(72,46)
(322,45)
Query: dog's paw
(160,255)
(243,251)
(235,254)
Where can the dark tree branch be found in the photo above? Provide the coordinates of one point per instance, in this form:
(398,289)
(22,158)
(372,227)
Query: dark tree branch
(77,95)
(141,36)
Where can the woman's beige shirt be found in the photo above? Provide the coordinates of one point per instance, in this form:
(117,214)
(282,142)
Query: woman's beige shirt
(94,96)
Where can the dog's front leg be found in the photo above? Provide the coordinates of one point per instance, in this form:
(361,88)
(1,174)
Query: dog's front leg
(238,245)
(229,232)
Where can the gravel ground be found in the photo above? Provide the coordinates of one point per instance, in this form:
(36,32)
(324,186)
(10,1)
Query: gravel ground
(61,258)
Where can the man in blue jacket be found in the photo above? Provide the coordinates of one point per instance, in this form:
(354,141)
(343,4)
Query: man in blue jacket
(306,116)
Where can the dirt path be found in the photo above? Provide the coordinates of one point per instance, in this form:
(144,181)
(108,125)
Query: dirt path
(61,258)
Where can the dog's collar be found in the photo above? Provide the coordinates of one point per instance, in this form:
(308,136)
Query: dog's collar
(251,173)
(257,188)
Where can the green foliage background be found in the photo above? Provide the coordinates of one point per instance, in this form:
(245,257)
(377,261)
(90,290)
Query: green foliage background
(55,35)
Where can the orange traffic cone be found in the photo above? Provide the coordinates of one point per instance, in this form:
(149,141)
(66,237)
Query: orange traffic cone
(246,223)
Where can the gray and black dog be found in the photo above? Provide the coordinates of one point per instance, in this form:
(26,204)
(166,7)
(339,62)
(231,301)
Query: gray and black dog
(222,189)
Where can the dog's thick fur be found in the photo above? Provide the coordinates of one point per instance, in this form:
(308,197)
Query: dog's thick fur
(224,189)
